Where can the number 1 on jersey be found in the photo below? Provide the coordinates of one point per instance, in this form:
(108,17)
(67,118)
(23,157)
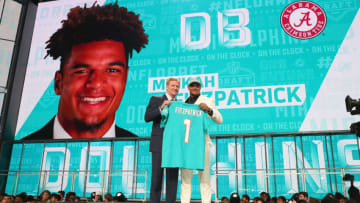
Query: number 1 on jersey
(187,123)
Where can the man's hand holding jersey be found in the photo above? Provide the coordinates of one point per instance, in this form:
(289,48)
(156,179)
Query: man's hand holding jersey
(165,103)
(206,108)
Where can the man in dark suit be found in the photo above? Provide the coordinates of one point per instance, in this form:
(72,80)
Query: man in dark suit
(153,113)
(94,48)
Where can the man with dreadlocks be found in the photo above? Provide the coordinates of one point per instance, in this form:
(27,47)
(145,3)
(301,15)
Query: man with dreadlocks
(94,45)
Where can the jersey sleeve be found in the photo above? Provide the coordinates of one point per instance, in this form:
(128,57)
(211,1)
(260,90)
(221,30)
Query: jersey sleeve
(164,116)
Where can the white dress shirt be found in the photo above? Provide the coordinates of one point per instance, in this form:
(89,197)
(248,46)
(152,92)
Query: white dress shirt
(169,97)
(60,133)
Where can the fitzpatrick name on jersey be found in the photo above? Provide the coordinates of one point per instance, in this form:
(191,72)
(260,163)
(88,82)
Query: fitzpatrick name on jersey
(187,111)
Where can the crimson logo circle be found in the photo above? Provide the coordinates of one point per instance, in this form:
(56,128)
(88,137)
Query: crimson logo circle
(303,19)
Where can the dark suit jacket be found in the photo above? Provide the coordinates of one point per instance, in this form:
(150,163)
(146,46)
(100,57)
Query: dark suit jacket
(46,133)
(153,114)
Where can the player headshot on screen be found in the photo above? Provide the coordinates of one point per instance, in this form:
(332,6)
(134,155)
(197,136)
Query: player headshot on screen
(94,45)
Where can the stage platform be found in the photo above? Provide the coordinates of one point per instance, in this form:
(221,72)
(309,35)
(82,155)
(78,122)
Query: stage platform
(164,201)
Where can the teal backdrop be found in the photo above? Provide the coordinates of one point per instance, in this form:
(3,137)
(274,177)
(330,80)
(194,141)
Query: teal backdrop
(262,80)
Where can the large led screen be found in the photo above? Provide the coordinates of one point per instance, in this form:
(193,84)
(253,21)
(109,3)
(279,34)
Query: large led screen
(270,66)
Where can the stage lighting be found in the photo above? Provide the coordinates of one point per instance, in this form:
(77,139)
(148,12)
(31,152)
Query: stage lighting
(353,106)
(234,198)
(92,195)
(348,177)
(120,197)
(353,191)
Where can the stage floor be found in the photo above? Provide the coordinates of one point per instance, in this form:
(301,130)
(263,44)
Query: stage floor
(164,201)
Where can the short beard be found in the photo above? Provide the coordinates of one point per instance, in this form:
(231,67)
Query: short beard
(83,127)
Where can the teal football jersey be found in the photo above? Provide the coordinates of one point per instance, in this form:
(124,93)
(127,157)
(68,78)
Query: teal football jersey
(184,136)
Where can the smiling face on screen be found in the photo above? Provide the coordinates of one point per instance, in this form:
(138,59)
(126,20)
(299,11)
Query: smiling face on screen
(91,86)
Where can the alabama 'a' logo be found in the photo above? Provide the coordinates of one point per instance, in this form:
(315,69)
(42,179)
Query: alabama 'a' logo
(303,19)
